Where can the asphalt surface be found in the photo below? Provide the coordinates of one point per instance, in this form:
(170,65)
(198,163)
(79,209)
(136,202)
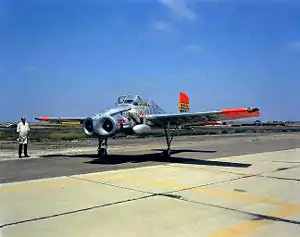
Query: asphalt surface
(186,150)
(217,187)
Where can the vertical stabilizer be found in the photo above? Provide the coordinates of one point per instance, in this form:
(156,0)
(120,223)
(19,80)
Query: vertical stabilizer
(183,103)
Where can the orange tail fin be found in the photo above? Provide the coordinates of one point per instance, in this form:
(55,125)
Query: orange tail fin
(183,103)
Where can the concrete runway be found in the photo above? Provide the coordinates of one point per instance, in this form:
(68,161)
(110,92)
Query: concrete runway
(216,186)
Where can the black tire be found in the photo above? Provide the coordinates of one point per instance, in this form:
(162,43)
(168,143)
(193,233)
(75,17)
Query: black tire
(166,155)
(102,152)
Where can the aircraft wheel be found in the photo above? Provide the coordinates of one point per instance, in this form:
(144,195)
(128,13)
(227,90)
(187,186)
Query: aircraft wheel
(167,154)
(102,152)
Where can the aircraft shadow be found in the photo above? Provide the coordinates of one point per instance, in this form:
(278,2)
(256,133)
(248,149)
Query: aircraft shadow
(185,150)
(153,157)
(119,159)
(118,155)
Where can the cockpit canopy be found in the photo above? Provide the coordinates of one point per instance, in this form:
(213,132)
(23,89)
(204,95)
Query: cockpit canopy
(130,99)
(141,105)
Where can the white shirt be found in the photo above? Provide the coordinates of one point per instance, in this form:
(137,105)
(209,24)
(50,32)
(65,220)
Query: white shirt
(23,130)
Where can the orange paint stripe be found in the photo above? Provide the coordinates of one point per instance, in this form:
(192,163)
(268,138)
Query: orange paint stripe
(239,113)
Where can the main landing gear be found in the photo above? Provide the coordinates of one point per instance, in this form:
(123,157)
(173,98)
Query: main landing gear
(102,147)
(169,137)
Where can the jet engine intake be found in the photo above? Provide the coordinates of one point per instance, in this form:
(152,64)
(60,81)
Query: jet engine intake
(88,127)
(106,126)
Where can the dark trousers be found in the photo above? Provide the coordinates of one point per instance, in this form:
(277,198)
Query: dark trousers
(21,148)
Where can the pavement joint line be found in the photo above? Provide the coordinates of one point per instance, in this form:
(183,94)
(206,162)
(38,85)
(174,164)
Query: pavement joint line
(282,169)
(288,162)
(256,215)
(167,192)
(245,228)
(166,165)
(150,194)
(153,194)
(285,210)
(257,199)
(261,174)
(111,185)
(254,199)
(281,178)
(202,189)
(199,188)
(209,184)
(107,174)
(75,211)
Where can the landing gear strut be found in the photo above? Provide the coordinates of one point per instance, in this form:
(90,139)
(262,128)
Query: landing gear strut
(102,147)
(169,137)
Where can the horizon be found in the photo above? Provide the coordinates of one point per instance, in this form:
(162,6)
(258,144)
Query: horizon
(75,58)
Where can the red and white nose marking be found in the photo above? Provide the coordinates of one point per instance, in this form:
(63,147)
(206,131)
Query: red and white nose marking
(121,122)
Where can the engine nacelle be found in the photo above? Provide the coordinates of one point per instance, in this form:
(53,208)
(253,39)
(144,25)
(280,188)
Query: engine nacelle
(141,129)
(105,126)
(88,126)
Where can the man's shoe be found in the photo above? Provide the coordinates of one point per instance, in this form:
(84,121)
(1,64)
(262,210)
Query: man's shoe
(26,156)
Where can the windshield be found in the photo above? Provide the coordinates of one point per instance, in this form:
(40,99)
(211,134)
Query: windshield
(129,99)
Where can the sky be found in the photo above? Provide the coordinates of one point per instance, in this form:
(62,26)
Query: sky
(74,58)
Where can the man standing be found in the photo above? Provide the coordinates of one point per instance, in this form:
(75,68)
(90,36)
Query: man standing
(23,129)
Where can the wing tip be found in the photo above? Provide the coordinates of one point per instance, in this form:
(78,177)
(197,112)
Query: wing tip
(42,118)
(248,109)
(238,113)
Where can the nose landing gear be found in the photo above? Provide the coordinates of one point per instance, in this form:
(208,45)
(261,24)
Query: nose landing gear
(102,148)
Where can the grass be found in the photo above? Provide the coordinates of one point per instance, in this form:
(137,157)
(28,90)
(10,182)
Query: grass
(45,134)
(64,133)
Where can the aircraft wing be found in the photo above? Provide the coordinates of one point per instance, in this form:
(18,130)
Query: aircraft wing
(78,119)
(60,119)
(191,118)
